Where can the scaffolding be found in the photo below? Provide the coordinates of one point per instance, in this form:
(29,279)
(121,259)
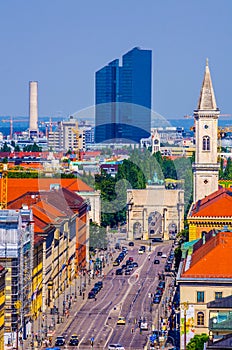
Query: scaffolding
(16,255)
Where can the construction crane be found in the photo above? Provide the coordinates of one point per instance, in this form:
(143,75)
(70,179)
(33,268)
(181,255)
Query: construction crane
(49,125)
(77,146)
(3,179)
(11,121)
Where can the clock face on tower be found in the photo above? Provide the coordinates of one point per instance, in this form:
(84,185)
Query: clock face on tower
(206,126)
(156,142)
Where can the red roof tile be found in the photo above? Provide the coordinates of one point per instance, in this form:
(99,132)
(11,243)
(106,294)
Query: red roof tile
(217,204)
(17,187)
(212,259)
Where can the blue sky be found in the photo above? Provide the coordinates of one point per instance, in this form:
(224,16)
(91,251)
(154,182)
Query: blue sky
(61,43)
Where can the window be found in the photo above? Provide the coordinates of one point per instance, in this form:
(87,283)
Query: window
(200,297)
(218,295)
(206,143)
(200,319)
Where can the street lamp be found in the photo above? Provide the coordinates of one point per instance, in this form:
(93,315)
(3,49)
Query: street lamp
(80,282)
(185,306)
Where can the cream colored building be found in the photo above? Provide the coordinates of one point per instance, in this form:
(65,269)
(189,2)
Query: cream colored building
(206,166)
(154,203)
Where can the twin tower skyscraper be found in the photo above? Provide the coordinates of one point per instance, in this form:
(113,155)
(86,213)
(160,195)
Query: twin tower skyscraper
(123,99)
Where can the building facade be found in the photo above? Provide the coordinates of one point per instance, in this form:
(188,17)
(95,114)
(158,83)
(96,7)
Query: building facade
(2,304)
(154,212)
(123,99)
(211,212)
(205,275)
(16,255)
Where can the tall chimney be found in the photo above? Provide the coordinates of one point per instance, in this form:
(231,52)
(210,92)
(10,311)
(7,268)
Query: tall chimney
(33,108)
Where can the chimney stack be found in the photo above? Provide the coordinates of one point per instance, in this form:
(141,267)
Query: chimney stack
(33,108)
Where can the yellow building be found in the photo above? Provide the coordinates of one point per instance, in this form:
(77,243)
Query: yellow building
(211,212)
(3,272)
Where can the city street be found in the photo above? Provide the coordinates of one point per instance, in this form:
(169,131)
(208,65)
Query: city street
(127,296)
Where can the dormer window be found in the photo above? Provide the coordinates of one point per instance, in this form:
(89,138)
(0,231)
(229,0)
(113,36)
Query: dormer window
(206,143)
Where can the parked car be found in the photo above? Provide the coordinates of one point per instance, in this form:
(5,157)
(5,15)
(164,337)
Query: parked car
(140,251)
(119,272)
(143,248)
(100,283)
(159,253)
(135,264)
(131,244)
(91,295)
(156,299)
(156,261)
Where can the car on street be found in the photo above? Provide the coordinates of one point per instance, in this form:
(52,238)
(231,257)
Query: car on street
(116,263)
(164,256)
(140,251)
(156,299)
(143,248)
(156,261)
(130,267)
(144,325)
(74,341)
(115,347)
(167,268)
(99,283)
(131,244)
(91,295)
(154,240)
(159,253)
(119,272)
(127,272)
(121,320)
(131,258)
(135,264)
(60,341)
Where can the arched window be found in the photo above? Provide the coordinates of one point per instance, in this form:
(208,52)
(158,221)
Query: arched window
(206,143)
(200,319)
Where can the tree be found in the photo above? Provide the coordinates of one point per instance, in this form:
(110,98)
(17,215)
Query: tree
(197,342)
(32,148)
(5,148)
(97,236)
(17,148)
(228,170)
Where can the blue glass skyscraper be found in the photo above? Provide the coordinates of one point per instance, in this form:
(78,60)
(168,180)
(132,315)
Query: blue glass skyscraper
(123,98)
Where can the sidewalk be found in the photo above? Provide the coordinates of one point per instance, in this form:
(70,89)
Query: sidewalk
(56,320)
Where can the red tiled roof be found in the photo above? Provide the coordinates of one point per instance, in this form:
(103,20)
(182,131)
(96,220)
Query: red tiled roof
(17,187)
(217,204)
(212,259)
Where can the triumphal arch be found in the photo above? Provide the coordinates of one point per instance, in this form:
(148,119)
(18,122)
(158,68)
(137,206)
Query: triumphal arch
(155,212)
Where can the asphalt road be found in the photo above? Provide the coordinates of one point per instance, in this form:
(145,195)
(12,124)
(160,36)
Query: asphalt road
(128,296)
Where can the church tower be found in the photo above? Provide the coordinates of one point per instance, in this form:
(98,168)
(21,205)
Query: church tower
(155,139)
(206,166)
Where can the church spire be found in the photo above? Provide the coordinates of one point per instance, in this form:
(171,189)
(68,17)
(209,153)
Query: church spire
(207,99)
